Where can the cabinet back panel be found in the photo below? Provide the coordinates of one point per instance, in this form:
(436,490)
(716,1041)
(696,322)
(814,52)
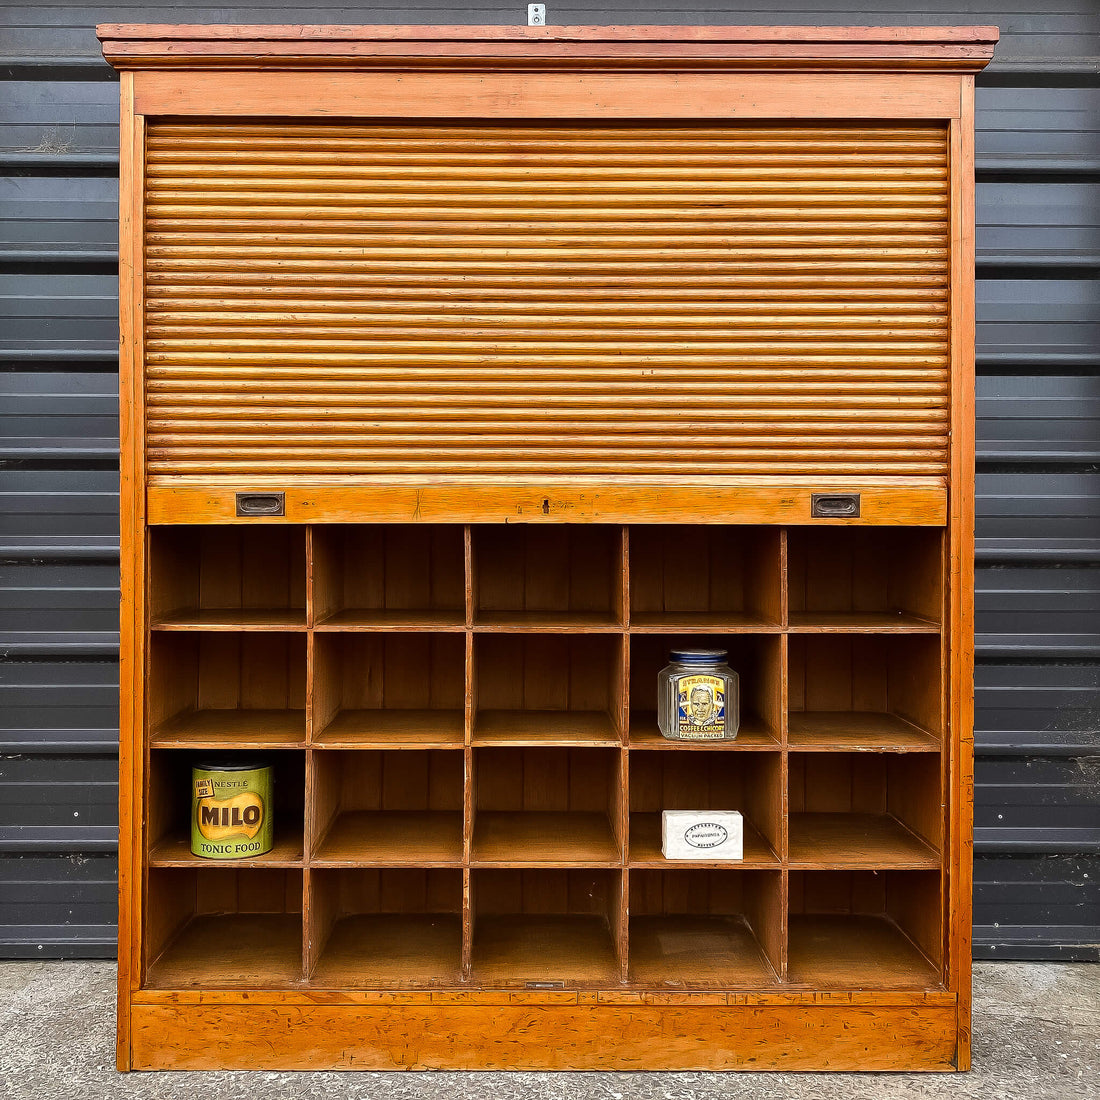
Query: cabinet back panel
(397,671)
(548,780)
(547,672)
(588,893)
(373,566)
(692,568)
(552,568)
(393,890)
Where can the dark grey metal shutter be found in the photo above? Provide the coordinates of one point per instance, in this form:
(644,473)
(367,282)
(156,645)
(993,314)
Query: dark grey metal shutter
(1037,872)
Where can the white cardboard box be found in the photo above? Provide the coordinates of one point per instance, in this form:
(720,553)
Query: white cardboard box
(702,834)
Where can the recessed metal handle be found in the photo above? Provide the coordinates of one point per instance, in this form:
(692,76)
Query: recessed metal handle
(834,505)
(261,504)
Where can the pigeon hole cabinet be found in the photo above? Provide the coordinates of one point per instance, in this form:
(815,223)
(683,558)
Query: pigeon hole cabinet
(465,372)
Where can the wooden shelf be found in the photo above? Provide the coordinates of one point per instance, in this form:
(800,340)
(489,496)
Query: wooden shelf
(393,729)
(861,731)
(559,622)
(232,618)
(701,622)
(645,848)
(853,622)
(232,729)
(752,735)
(391,950)
(516,949)
(856,840)
(530,838)
(855,952)
(232,951)
(544,727)
(690,950)
(381,619)
(175,851)
(392,838)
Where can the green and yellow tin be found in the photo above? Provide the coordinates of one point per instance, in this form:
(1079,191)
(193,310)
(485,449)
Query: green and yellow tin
(232,809)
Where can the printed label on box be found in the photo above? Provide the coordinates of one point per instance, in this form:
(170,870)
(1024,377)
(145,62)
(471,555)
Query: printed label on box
(702,834)
(701,707)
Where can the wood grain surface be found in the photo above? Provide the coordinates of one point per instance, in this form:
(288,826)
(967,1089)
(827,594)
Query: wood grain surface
(548,387)
(501,300)
(133,593)
(544,792)
(548,500)
(835,49)
(959,683)
(580,1036)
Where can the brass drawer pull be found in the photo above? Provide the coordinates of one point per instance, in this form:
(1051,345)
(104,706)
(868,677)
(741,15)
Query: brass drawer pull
(834,505)
(261,504)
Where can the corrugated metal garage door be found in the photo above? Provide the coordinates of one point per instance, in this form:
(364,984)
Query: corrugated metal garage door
(1037,878)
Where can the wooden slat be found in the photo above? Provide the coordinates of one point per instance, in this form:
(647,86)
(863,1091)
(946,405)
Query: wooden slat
(404,299)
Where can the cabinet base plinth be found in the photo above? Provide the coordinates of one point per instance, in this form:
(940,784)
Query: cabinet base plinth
(287,1036)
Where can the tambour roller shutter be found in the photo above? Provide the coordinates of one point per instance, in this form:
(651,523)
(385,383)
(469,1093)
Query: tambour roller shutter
(560,299)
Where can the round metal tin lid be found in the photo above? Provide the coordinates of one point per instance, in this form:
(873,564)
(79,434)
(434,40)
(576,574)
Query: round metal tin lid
(699,656)
(232,764)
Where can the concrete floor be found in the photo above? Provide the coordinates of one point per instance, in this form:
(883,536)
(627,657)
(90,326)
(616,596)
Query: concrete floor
(1036,1036)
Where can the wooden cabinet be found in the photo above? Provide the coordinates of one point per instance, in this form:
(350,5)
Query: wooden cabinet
(466,373)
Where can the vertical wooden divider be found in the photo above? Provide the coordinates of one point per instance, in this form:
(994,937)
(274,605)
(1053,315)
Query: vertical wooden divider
(623,608)
(946,741)
(784,757)
(469,778)
(943,696)
(311,656)
(469,573)
(312,551)
(309,941)
(310,945)
(310,933)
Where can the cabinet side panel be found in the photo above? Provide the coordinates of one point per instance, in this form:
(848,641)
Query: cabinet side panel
(961,534)
(132,533)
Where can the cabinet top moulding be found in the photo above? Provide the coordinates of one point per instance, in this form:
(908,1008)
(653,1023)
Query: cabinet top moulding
(834,49)
(530,72)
